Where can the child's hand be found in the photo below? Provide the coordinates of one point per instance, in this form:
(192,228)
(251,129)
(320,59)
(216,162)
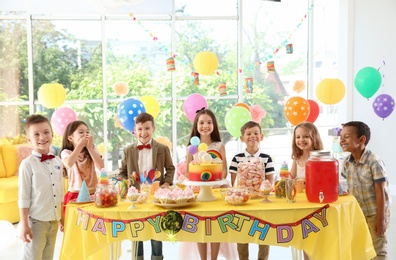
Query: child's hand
(90,140)
(82,143)
(26,234)
(380,227)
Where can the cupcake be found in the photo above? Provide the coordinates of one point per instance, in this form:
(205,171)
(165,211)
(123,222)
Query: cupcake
(265,187)
(143,197)
(132,194)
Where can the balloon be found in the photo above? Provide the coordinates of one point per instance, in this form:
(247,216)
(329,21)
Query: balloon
(51,95)
(61,118)
(192,104)
(205,63)
(8,234)
(235,118)
(330,91)
(121,88)
(367,81)
(202,147)
(383,105)
(296,110)
(128,110)
(151,105)
(195,140)
(242,105)
(313,111)
(192,149)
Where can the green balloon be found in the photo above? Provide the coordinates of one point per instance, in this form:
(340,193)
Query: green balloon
(235,118)
(367,81)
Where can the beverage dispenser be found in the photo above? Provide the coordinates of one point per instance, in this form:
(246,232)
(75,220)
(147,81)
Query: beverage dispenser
(321,177)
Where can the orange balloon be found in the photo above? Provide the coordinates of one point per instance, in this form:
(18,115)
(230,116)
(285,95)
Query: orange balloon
(296,110)
(121,88)
(242,105)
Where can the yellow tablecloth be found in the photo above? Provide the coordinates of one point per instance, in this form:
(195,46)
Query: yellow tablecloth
(325,231)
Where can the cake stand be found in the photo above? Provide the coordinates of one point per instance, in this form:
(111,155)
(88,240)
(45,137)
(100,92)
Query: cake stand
(205,191)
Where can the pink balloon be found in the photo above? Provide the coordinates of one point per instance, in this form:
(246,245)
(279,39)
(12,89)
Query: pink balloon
(61,118)
(192,104)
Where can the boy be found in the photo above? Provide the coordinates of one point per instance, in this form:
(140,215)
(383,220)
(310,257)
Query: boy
(366,177)
(144,155)
(251,135)
(40,193)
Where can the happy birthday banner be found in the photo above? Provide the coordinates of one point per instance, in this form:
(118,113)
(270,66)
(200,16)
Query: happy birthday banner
(267,57)
(230,221)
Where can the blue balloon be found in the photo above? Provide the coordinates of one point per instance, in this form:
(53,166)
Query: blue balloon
(195,140)
(128,110)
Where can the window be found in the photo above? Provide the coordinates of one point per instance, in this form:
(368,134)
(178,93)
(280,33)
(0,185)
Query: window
(281,49)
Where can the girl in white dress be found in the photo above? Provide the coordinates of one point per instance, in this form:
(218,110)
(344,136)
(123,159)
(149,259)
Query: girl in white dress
(306,138)
(205,127)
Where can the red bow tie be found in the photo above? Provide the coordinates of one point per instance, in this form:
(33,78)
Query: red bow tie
(46,157)
(140,147)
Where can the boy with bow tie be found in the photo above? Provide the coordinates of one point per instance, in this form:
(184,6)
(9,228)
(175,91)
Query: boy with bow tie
(142,156)
(40,192)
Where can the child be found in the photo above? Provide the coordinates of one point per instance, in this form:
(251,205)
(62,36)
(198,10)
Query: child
(251,135)
(79,157)
(144,155)
(306,138)
(367,181)
(40,192)
(205,127)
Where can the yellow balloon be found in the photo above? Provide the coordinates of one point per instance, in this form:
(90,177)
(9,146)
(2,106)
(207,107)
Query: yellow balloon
(151,104)
(202,147)
(330,91)
(205,63)
(51,95)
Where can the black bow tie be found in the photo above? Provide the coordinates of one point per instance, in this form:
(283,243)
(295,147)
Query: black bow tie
(140,147)
(46,157)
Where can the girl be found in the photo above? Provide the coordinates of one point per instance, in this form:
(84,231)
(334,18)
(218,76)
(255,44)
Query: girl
(306,138)
(205,127)
(79,158)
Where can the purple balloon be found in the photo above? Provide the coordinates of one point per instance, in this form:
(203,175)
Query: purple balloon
(192,149)
(383,105)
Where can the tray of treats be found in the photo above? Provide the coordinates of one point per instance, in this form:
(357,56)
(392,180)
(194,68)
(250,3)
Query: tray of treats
(174,206)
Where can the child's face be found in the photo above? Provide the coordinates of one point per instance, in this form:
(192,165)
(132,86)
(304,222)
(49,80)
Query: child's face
(303,139)
(205,125)
(349,140)
(144,131)
(40,136)
(81,131)
(252,137)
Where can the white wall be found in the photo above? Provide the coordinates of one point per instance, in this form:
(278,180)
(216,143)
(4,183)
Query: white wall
(374,41)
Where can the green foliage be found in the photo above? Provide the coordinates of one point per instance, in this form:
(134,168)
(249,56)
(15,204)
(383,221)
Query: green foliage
(77,65)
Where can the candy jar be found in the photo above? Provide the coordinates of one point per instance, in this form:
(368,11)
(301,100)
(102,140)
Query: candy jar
(106,194)
(321,173)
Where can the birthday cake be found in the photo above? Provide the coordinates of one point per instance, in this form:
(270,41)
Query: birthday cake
(207,166)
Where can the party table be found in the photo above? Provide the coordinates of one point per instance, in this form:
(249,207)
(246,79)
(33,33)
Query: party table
(325,231)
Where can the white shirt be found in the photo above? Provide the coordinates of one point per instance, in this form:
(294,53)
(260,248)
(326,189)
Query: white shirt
(145,158)
(41,187)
